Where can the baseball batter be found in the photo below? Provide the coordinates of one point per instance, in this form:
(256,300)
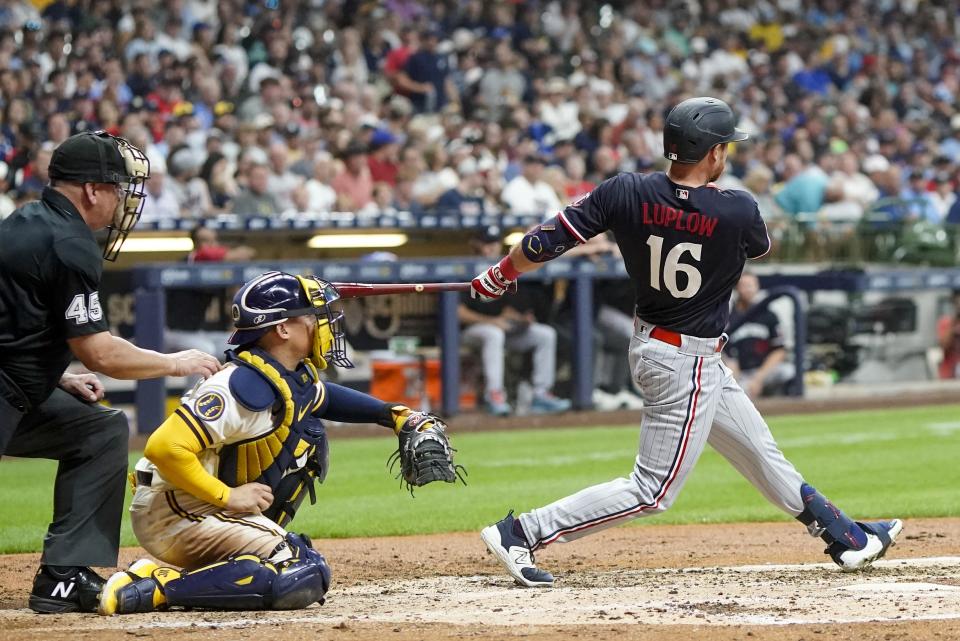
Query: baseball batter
(684,243)
(227,471)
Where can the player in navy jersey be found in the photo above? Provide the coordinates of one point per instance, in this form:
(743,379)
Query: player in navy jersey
(684,243)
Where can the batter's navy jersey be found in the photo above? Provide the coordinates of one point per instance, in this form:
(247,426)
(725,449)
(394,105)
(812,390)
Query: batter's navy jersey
(684,247)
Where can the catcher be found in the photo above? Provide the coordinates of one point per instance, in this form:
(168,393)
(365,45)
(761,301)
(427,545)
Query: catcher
(223,476)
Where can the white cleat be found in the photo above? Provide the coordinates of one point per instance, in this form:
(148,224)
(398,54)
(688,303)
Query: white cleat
(881,535)
(514,554)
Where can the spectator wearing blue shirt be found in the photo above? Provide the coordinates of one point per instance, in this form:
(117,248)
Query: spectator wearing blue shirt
(466,198)
(921,205)
(432,87)
(950,146)
(804,190)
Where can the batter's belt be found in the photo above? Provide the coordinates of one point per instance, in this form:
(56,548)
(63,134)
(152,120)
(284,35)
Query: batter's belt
(693,344)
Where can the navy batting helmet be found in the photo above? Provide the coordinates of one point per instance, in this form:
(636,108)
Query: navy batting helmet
(694,126)
(274,297)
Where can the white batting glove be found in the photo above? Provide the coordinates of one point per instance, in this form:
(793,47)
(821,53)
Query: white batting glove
(490,284)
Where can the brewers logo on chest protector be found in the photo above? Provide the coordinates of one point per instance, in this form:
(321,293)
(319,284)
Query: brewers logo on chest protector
(292,456)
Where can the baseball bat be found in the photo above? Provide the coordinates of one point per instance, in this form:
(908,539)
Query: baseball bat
(360,290)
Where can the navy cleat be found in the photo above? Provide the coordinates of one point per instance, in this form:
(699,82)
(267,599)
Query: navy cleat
(880,536)
(514,553)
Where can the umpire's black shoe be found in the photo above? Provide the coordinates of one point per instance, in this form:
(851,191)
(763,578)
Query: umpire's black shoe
(65,589)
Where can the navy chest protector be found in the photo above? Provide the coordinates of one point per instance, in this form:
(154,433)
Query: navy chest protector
(294,454)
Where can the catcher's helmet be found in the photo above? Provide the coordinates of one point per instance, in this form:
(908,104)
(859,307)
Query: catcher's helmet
(694,126)
(274,297)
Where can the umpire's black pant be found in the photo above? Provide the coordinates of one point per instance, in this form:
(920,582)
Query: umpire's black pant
(90,442)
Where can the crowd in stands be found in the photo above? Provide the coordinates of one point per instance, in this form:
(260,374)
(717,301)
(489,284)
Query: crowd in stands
(260,108)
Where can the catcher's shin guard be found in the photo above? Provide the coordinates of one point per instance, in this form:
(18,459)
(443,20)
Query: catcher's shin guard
(827,521)
(250,583)
(141,595)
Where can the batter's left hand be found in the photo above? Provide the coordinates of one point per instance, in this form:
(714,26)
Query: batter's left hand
(490,284)
(84,386)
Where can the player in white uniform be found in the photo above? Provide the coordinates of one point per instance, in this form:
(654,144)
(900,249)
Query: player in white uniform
(684,243)
(223,475)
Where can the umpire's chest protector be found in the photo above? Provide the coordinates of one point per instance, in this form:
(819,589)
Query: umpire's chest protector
(297,444)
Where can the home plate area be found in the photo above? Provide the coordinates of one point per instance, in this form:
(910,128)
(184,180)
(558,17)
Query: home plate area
(923,589)
(912,589)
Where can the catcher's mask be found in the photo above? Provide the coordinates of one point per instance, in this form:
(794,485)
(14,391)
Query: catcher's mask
(273,297)
(98,157)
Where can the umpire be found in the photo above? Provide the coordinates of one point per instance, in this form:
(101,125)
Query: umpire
(50,312)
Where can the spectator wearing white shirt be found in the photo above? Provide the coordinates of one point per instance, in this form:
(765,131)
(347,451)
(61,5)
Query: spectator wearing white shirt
(172,38)
(282,181)
(160,203)
(528,193)
(321,197)
(6,203)
(349,62)
(144,41)
(856,185)
(438,178)
(186,185)
(558,111)
(943,195)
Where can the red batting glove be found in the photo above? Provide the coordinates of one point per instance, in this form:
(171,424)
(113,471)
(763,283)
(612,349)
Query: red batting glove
(495,281)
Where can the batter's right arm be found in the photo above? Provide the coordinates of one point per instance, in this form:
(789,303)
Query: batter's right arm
(575,225)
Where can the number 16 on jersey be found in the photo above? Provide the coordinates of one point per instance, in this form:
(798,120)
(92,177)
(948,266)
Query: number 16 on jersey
(672,266)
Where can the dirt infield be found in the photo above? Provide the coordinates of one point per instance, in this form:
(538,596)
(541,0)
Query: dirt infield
(703,582)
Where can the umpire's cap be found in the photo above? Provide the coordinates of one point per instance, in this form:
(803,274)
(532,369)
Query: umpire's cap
(694,126)
(89,157)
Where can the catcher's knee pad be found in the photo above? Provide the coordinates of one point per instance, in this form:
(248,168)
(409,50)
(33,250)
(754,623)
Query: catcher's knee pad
(827,521)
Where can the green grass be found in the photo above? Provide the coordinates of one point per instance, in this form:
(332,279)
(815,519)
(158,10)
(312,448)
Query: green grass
(892,462)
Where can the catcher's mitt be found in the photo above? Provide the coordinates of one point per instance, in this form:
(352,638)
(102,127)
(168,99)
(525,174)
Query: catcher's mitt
(424,452)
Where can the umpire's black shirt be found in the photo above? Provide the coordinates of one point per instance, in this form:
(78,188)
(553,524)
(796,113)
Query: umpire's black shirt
(50,268)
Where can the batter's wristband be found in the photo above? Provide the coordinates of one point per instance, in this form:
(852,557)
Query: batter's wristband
(507,268)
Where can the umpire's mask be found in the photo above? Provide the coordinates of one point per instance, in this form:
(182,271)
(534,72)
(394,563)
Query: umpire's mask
(98,157)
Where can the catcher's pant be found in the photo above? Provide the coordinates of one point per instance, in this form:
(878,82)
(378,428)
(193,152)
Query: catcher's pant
(493,341)
(91,442)
(690,398)
(184,531)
